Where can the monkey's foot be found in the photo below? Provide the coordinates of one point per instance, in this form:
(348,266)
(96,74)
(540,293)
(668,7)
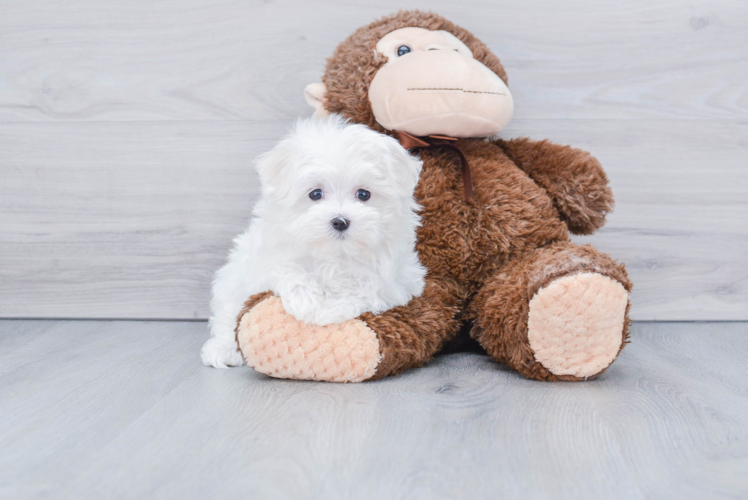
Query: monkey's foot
(275,343)
(575,325)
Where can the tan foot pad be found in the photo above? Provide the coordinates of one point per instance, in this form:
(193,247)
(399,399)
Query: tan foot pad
(575,324)
(275,343)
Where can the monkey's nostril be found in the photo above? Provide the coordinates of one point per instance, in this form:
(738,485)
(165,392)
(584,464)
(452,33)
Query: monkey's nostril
(340,223)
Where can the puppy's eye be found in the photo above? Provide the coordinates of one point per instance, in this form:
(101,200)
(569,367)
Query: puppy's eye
(402,50)
(317,194)
(363,194)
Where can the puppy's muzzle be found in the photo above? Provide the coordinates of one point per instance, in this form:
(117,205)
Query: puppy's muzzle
(340,224)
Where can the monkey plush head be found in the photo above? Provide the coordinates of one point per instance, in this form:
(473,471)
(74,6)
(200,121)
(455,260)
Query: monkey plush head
(415,72)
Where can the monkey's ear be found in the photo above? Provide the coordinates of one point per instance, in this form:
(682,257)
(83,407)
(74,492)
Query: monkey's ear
(315,93)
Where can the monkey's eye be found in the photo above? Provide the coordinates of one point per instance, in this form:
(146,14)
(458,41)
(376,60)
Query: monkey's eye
(363,194)
(402,50)
(317,194)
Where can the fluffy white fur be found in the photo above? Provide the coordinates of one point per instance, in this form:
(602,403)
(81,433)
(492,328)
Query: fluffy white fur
(322,275)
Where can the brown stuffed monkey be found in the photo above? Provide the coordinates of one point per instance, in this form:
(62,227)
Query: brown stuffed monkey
(495,229)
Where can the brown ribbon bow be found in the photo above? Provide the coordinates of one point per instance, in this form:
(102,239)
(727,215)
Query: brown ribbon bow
(409,141)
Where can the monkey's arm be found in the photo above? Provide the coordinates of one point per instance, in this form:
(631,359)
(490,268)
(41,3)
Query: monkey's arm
(572,177)
(412,334)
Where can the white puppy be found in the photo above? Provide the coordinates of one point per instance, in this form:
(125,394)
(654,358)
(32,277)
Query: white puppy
(333,234)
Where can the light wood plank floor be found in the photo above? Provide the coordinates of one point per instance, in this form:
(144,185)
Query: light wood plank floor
(123,409)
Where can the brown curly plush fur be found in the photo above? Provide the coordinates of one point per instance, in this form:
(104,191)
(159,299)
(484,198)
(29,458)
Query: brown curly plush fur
(486,256)
(573,178)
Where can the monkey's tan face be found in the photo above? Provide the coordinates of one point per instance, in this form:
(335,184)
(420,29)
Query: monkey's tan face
(431,84)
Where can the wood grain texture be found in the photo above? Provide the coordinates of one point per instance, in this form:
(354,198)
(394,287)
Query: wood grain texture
(122,219)
(202,60)
(124,410)
(127,132)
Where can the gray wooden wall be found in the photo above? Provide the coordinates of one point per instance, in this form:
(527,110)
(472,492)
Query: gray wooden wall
(127,131)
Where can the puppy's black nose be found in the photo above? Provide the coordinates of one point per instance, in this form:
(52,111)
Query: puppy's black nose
(340,224)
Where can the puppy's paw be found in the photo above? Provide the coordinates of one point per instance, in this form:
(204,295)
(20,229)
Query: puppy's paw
(301,302)
(335,312)
(221,353)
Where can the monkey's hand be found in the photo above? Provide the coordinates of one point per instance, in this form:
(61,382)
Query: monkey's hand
(573,178)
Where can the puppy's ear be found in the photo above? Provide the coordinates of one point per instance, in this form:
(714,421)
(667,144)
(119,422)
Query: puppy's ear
(405,168)
(271,166)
